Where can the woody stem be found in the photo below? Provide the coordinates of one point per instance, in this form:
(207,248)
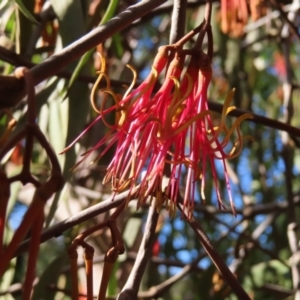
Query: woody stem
(206,25)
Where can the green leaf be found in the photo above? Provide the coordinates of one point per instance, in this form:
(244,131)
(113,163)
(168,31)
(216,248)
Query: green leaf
(72,114)
(117,41)
(83,60)
(67,119)
(110,11)
(26,12)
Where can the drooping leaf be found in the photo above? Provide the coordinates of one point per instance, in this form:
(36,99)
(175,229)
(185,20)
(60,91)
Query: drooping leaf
(26,12)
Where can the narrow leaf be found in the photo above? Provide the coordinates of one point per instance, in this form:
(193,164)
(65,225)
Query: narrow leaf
(26,12)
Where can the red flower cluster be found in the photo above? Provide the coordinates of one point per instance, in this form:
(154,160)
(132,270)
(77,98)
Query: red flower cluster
(170,129)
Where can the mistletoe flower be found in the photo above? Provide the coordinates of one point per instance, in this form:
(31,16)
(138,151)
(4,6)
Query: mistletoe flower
(170,132)
(204,139)
(141,143)
(131,103)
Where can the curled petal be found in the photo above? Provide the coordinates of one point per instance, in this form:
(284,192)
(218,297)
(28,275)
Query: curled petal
(133,80)
(102,111)
(95,86)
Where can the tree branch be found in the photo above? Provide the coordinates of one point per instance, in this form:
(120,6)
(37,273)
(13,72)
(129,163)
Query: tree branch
(131,288)
(294,131)
(214,255)
(84,215)
(12,94)
(178,21)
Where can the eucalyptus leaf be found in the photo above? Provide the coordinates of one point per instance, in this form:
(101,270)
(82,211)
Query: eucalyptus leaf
(67,118)
(26,12)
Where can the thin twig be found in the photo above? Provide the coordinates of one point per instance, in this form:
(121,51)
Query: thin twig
(293,131)
(52,65)
(214,255)
(178,21)
(250,211)
(131,288)
(206,25)
(290,24)
(272,15)
(84,215)
(19,60)
(156,291)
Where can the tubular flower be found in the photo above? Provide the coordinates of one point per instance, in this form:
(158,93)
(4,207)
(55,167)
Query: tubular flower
(205,144)
(171,130)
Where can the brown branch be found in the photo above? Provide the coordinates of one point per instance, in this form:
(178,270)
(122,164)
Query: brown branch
(131,288)
(156,291)
(214,255)
(84,215)
(178,21)
(294,131)
(293,28)
(277,291)
(19,60)
(12,94)
(250,211)
(214,106)
(131,257)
